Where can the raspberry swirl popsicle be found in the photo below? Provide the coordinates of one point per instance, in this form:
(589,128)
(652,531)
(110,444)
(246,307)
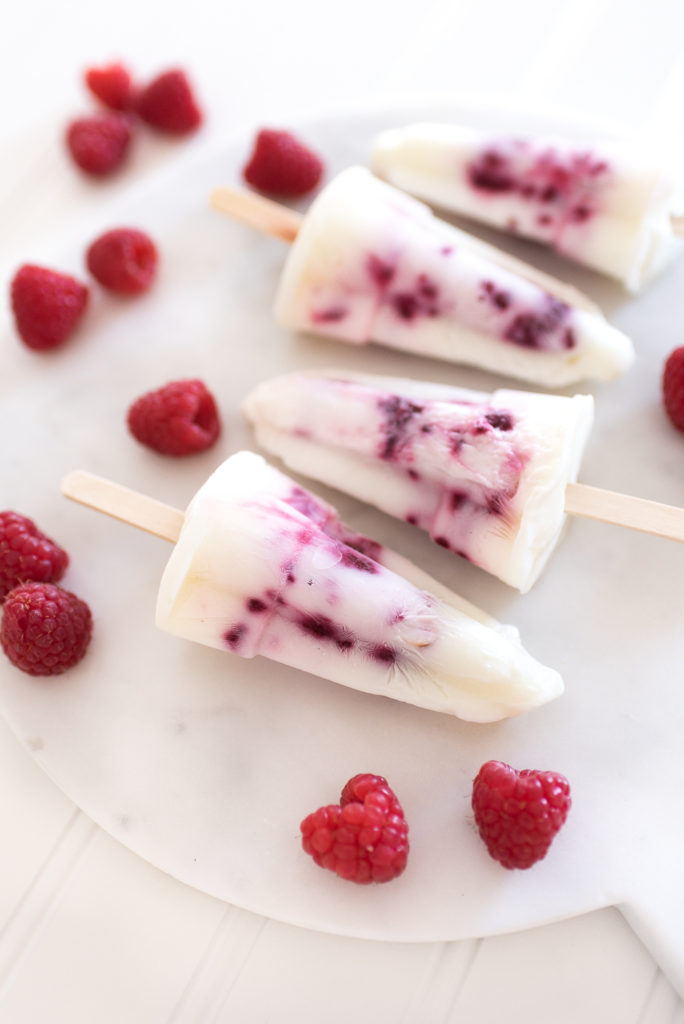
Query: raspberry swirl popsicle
(264,567)
(597,203)
(372,264)
(485,475)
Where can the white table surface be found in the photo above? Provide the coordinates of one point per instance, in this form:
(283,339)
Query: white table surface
(87,930)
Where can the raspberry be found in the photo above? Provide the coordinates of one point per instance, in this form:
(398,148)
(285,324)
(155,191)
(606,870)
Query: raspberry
(44,629)
(47,305)
(111,85)
(364,838)
(673,387)
(519,812)
(169,105)
(178,419)
(27,554)
(282,165)
(123,260)
(99,144)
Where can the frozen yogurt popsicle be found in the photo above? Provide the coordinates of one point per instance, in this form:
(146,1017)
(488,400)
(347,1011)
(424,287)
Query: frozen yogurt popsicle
(484,474)
(262,566)
(373,264)
(598,203)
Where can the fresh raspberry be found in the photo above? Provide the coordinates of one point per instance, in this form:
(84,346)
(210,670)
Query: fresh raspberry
(123,260)
(44,629)
(673,387)
(178,419)
(47,305)
(282,165)
(111,85)
(519,812)
(27,554)
(168,104)
(364,838)
(99,144)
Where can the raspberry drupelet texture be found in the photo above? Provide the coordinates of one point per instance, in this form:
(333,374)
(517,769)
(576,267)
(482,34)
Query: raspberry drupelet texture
(46,305)
(169,105)
(518,813)
(673,387)
(44,629)
(123,260)
(111,85)
(178,419)
(364,838)
(27,554)
(100,143)
(282,165)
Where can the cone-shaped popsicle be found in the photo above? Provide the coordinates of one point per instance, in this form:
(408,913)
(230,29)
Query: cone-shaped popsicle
(599,203)
(264,567)
(485,475)
(371,263)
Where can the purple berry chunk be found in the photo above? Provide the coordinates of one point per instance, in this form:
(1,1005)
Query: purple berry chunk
(383,653)
(405,305)
(380,270)
(457,500)
(412,520)
(580,213)
(499,298)
(325,629)
(329,316)
(569,339)
(234,634)
(491,172)
(443,542)
(398,413)
(355,560)
(500,420)
(532,330)
(414,474)
(256,605)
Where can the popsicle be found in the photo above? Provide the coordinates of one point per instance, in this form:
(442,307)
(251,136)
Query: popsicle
(490,477)
(262,566)
(485,475)
(370,263)
(597,202)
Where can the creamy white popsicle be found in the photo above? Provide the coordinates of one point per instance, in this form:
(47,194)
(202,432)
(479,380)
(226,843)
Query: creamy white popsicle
(484,474)
(264,567)
(373,264)
(599,203)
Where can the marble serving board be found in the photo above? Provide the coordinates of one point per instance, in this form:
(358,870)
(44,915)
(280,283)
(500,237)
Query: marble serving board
(204,764)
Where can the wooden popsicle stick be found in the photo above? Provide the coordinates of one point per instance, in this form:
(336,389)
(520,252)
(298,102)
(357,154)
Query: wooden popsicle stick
(123,504)
(624,510)
(677,222)
(277,220)
(165,522)
(257,211)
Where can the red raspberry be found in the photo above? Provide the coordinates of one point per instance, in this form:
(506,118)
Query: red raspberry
(364,838)
(169,105)
(123,260)
(673,387)
(99,144)
(519,812)
(27,554)
(178,419)
(282,165)
(47,305)
(111,85)
(44,629)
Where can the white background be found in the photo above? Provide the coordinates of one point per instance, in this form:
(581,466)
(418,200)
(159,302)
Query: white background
(88,931)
